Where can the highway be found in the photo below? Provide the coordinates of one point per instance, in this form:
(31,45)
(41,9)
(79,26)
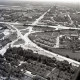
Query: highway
(25,37)
(33,46)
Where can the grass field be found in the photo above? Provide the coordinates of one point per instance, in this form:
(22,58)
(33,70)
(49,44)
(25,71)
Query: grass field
(19,41)
(24,31)
(21,27)
(39,28)
(13,36)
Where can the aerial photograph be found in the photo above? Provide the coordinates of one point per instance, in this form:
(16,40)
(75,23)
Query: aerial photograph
(39,40)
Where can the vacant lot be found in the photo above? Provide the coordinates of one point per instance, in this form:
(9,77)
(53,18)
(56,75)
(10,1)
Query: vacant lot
(13,36)
(24,31)
(20,27)
(19,41)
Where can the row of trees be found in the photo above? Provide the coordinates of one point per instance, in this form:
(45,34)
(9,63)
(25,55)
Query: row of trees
(11,59)
(19,53)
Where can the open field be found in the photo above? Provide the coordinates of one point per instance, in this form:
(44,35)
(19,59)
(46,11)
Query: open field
(42,28)
(39,41)
(20,27)
(24,31)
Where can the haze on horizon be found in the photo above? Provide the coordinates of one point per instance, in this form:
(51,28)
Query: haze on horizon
(61,1)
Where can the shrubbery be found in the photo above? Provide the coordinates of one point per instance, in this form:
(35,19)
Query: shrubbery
(34,62)
(29,54)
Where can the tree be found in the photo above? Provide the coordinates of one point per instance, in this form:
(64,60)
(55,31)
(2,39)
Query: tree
(48,78)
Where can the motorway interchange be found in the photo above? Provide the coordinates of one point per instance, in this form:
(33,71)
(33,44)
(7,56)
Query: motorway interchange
(29,44)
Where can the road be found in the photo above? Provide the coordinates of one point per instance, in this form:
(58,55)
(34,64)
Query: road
(33,46)
(25,37)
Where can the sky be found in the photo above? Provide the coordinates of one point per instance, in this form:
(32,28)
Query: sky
(68,1)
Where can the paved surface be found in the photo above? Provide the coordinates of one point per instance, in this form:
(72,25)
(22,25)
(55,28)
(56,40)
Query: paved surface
(34,47)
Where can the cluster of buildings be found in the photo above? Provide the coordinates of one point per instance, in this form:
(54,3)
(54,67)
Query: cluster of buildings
(60,16)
